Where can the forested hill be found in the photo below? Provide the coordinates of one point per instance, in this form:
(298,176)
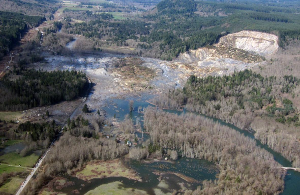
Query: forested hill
(30,7)
(35,88)
(177,7)
(12,26)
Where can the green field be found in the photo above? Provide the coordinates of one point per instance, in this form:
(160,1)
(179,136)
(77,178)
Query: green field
(46,191)
(12,186)
(118,15)
(8,169)
(10,115)
(16,159)
(115,188)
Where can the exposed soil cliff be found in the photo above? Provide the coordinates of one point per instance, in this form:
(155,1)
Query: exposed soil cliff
(234,52)
(246,46)
(251,41)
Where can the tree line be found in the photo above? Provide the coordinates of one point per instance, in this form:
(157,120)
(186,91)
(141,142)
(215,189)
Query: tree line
(33,88)
(12,27)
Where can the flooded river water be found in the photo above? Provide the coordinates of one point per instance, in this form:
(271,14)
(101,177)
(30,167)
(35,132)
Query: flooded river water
(197,170)
(292,179)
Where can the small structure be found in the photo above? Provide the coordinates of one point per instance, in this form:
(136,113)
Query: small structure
(129,143)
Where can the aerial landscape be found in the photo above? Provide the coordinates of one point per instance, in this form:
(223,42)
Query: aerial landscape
(149,97)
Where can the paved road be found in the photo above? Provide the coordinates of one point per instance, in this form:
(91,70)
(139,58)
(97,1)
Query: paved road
(32,173)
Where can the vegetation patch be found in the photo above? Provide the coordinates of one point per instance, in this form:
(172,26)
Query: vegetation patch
(115,188)
(37,88)
(11,26)
(55,185)
(47,191)
(159,191)
(118,15)
(16,159)
(10,169)
(237,54)
(8,116)
(12,186)
(102,169)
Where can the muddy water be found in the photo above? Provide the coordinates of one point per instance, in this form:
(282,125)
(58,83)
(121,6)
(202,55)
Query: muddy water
(13,148)
(195,169)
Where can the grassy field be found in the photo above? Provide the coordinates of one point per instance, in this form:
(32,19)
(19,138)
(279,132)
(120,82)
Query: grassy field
(7,169)
(102,169)
(115,188)
(12,186)
(117,15)
(16,159)
(10,115)
(46,191)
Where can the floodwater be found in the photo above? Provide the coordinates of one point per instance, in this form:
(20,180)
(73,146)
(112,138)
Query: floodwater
(119,108)
(14,148)
(195,169)
(183,173)
(292,179)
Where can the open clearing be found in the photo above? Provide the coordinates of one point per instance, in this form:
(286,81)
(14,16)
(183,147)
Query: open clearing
(8,116)
(16,159)
(46,192)
(118,15)
(9,169)
(115,188)
(12,186)
(102,169)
